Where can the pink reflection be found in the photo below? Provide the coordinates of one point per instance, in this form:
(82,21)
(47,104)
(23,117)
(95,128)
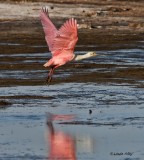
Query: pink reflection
(62,145)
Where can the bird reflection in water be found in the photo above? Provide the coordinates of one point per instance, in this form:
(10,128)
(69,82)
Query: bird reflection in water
(61,145)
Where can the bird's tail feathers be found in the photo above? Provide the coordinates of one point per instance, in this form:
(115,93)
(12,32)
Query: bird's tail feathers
(49,63)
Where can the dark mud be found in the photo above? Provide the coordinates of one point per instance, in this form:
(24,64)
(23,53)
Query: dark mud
(119,71)
(113,26)
(4,103)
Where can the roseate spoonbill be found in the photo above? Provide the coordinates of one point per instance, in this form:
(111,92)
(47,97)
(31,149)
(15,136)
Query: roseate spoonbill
(61,42)
(61,144)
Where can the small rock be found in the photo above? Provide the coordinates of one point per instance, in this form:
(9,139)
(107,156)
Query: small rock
(90,111)
(51,7)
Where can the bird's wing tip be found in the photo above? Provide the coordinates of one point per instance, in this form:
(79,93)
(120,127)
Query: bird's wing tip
(45,9)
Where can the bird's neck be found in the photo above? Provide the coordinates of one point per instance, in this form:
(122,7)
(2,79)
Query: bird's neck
(80,57)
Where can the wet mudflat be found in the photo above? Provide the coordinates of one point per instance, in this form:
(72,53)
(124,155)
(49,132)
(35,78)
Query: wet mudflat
(94,109)
(109,85)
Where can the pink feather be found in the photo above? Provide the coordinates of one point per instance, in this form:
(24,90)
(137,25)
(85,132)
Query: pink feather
(61,42)
(63,39)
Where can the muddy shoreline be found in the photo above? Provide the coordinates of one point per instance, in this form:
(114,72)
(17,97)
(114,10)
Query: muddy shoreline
(103,26)
(107,22)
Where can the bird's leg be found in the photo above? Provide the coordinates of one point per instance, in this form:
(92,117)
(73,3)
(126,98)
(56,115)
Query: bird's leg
(49,78)
(49,123)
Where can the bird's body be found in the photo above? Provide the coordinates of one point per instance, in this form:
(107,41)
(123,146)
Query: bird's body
(60,59)
(61,42)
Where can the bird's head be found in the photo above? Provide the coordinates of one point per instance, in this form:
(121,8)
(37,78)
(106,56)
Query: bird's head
(85,56)
(91,54)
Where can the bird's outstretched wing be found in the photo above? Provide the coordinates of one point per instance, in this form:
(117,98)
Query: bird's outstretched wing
(66,38)
(63,39)
(49,28)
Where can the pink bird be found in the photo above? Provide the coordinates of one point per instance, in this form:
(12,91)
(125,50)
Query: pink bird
(61,42)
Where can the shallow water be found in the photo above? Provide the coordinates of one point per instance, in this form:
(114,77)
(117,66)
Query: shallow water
(114,129)
(115,125)
(29,66)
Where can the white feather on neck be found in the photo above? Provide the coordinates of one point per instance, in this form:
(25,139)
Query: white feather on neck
(80,57)
(84,56)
